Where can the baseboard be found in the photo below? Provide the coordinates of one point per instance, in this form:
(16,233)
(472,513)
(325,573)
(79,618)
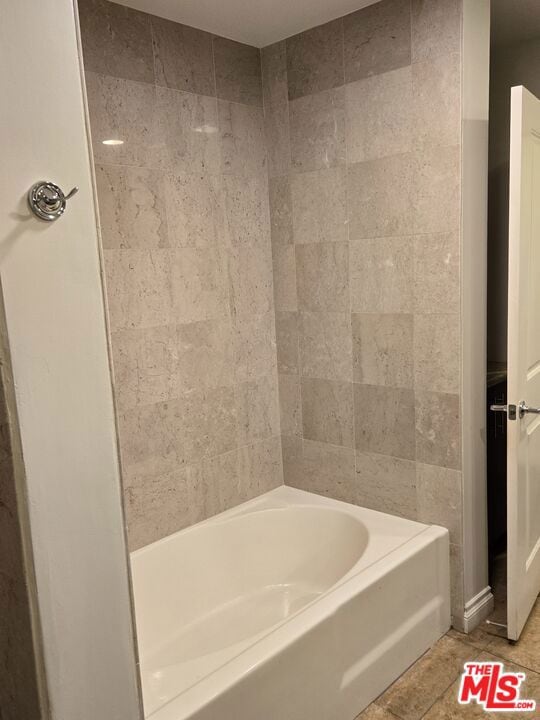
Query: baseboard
(477,610)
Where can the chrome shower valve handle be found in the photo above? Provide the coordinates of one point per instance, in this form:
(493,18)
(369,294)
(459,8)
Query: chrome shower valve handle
(47,201)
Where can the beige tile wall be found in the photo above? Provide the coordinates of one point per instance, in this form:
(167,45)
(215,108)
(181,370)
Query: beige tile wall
(363,126)
(185,225)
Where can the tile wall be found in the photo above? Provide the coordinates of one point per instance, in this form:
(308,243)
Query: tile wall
(184,214)
(363,127)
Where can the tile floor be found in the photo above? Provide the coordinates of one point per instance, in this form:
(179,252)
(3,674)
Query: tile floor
(428,689)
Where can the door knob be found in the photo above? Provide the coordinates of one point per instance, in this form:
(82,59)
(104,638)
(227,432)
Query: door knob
(47,201)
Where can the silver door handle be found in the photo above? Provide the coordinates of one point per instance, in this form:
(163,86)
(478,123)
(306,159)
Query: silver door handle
(524,408)
(510,410)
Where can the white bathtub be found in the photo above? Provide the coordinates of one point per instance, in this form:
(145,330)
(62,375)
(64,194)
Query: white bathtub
(289,607)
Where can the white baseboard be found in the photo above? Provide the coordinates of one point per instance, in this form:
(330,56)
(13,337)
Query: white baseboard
(477,610)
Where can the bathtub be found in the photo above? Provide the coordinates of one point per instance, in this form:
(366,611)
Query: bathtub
(289,607)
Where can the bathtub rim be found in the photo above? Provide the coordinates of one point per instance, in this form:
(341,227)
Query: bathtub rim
(287,496)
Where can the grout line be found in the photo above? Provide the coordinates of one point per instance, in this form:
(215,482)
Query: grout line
(288,183)
(214,73)
(152,40)
(348,226)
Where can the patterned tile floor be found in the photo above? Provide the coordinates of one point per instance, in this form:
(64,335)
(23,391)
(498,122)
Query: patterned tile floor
(428,689)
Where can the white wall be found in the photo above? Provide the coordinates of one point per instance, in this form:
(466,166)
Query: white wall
(50,277)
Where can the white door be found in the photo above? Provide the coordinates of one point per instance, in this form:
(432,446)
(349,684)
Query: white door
(523,361)
(52,296)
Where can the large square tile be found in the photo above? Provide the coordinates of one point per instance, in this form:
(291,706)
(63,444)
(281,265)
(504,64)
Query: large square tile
(322,275)
(238,72)
(250,280)
(384,420)
(436,94)
(281,219)
(436,193)
(290,404)
(116,40)
(183,57)
(198,284)
(457,589)
(319,204)
(320,468)
(243,145)
(247,213)
(274,74)
(327,411)
(438,429)
(380,197)
(436,273)
(439,502)
(131,207)
(386,484)
(277,133)
(287,338)
(377,39)
(411,696)
(160,438)
(124,110)
(437,355)
(435,28)
(190,131)
(380,116)
(195,211)
(161,504)
(257,409)
(204,355)
(254,346)
(145,365)
(383,349)
(326,345)
(244,473)
(138,288)
(284,277)
(525,651)
(317,130)
(315,59)
(381,271)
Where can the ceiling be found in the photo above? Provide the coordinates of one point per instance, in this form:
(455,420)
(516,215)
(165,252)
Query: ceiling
(256,22)
(262,22)
(514,21)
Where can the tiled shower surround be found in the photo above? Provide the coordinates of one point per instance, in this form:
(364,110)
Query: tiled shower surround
(185,226)
(323,202)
